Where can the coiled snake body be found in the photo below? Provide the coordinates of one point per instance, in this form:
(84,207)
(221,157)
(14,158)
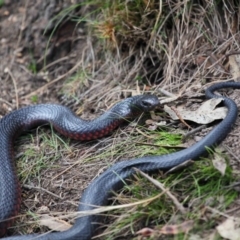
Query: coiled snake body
(99,191)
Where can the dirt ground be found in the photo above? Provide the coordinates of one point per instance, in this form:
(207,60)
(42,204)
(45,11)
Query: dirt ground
(35,62)
(25,33)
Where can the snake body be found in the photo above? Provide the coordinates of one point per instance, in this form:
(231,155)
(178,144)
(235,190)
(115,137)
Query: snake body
(99,191)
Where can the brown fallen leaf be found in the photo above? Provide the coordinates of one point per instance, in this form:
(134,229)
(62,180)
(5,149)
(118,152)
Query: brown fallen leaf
(206,113)
(54,223)
(229,230)
(219,163)
(184,227)
(234,66)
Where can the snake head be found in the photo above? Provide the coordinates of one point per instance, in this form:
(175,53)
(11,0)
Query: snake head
(134,106)
(145,103)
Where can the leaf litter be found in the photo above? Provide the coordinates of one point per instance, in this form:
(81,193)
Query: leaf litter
(206,113)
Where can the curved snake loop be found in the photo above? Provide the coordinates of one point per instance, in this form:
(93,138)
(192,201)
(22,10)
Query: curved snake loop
(99,191)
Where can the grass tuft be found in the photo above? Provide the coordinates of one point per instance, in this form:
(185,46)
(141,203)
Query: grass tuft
(145,46)
(39,154)
(198,188)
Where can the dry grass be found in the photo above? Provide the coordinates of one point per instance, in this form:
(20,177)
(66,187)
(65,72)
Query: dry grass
(135,47)
(166,43)
(181,47)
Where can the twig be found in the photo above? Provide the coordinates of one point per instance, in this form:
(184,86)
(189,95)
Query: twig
(231,152)
(141,132)
(8,103)
(53,63)
(213,210)
(180,166)
(21,32)
(41,189)
(167,93)
(15,86)
(180,117)
(76,163)
(54,81)
(193,131)
(161,146)
(161,186)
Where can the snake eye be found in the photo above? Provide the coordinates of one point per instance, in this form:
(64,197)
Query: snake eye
(146,104)
(149,103)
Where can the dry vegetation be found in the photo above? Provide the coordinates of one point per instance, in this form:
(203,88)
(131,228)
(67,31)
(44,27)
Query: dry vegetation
(136,47)
(168,43)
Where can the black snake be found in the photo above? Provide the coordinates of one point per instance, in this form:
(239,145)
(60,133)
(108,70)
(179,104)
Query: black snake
(99,191)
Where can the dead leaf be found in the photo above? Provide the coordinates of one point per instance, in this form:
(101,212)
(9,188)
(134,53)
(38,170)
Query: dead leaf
(195,237)
(54,223)
(234,63)
(43,209)
(206,113)
(219,163)
(229,230)
(146,232)
(153,125)
(180,166)
(154,116)
(184,227)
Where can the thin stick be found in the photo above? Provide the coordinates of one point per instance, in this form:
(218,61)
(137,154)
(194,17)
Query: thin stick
(161,186)
(54,81)
(41,189)
(180,117)
(15,86)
